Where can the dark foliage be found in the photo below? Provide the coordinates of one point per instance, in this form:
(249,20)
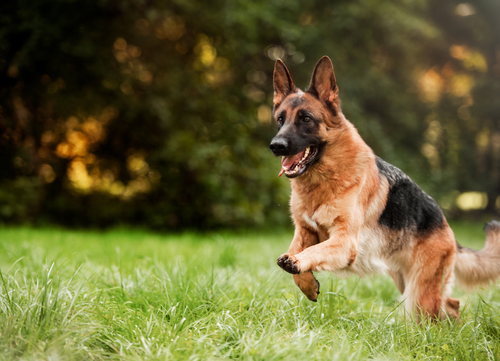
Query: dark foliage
(158,113)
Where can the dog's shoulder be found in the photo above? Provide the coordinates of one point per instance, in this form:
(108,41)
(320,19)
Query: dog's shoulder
(407,206)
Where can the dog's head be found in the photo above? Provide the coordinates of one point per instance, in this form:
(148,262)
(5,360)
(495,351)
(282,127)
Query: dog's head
(304,119)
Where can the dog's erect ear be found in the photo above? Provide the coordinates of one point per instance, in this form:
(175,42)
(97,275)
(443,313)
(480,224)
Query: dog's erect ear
(323,84)
(283,84)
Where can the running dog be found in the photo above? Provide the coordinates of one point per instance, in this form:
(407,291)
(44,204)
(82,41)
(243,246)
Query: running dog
(357,214)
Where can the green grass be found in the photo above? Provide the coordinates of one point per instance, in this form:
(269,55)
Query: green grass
(128,295)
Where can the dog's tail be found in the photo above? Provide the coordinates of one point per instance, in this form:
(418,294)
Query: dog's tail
(479,268)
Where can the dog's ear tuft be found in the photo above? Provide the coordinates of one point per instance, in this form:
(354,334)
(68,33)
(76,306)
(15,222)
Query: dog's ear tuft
(283,84)
(323,84)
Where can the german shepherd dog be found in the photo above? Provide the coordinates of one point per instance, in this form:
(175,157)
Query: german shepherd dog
(357,214)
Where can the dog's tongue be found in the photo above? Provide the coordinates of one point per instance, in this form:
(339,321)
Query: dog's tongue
(288,161)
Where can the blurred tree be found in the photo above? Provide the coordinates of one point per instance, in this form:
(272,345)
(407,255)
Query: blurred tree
(158,113)
(464,126)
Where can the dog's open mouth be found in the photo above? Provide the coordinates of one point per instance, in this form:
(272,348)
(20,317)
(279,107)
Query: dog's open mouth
(295,165)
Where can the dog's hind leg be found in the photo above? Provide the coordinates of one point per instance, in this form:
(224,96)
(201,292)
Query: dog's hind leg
(453,307)
(431,278)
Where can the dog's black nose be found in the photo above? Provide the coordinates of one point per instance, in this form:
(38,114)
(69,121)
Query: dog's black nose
(279,146)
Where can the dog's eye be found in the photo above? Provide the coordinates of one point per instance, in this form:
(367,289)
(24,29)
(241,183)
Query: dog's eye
(307,118)
(280,121)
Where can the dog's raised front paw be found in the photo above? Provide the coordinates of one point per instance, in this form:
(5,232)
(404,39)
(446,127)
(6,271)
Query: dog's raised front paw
(308,285)
(289,263)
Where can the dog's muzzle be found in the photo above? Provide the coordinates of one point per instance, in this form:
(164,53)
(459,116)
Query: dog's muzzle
(279,146)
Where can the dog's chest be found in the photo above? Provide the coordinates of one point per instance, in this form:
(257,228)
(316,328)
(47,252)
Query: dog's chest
(310,221)
(370,258)
(370,242)
(313,224)
(320,218)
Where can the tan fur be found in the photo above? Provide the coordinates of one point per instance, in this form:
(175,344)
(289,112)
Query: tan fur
(336,206)
(480,268)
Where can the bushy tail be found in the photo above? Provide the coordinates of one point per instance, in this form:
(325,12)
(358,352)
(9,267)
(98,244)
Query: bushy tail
(479,268)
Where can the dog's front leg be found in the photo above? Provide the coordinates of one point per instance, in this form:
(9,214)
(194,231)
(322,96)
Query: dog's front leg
(338,252)
(308,284)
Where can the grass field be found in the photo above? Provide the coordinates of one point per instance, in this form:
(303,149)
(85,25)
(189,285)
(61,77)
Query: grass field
(129,295)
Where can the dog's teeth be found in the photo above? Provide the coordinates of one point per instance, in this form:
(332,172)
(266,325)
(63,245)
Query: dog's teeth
(306,153)
(298,166)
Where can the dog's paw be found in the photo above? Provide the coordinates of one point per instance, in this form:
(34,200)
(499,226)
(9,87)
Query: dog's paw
(315,293)
(308,284)
(289,263)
